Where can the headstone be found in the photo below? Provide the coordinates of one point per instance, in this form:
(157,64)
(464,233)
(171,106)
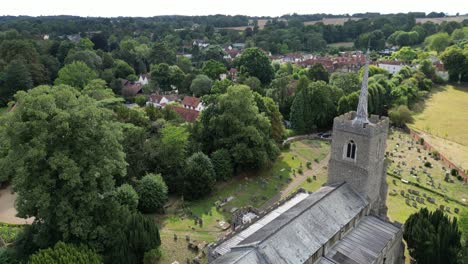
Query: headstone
(415,205)
(402,193)
(447,209)
(407,201)
(431,200)
(456,210)
(442,207)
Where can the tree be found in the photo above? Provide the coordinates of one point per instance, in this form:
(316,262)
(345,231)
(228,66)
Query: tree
(63,253)
(161,52)
(199,176)
(138,235)
(233,122)
(347,81)
(16,78)
(254,84)
(98,90)
(167,153)
(61,140)
(201,85)
(75,74)
(89,57)
(254,62)
(222,164)
(122,69)
(313,108)
(432,237)
(127,196)
(213,69)
(318,73)
(152,191)
(456,62)
(400,115)
(437,42)
(406,54)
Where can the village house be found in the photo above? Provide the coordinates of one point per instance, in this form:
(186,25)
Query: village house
(130,89)
(188,115)
(391,66)
(193,103)
(161,101)
(143,79)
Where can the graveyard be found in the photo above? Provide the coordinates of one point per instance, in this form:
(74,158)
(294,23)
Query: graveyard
(443,120)
(188,225)
(411,186)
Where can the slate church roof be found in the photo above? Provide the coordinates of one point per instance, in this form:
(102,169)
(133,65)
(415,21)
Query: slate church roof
(298,232)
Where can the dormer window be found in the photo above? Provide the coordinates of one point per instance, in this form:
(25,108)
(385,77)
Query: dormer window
(350,150)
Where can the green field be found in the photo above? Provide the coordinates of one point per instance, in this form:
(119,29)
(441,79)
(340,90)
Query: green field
(443,122)
(247,189)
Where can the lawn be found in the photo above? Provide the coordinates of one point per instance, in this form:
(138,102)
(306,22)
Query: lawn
(444,120)
(252,189)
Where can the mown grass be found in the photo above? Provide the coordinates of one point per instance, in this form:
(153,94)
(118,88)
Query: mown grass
(444,118)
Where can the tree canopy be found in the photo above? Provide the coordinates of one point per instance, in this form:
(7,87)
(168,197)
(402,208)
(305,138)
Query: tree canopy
(254,62)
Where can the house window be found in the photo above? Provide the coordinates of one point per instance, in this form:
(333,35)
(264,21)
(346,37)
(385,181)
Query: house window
(350,150)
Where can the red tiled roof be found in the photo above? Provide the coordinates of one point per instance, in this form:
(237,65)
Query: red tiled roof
(130,88)
(155,98)
(188,115)
(390,62)
(191,101)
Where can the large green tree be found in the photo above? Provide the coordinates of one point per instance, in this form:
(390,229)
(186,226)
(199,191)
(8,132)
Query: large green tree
(161,52)
(199,176)
(313,108)
(201,85)
(63,253)
(432,237)
(76,74)
(233,122)
(152,191)
(63,153)
(213,69)
(318,73)
(456,62)
(16,78)
(254,62)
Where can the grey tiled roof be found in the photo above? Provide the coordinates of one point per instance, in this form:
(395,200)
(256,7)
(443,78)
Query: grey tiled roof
(363,244)
(296,234)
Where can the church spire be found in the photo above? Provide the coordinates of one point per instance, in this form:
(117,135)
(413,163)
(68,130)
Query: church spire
(361,114)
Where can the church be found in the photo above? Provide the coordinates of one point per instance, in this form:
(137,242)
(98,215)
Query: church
(345,221)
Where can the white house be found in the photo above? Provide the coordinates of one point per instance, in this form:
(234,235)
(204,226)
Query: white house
(143,80)
(193,103)
(161,100)
(391,66)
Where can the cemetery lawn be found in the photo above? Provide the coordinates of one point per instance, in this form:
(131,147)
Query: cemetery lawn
(245,189)
(443,122)
(402,161)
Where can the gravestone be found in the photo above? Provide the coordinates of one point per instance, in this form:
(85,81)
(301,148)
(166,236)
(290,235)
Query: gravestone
(407,201)
(402,193)
(456,210)
(415,205)
(442,207)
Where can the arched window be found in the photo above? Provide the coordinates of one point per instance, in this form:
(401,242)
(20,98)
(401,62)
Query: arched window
(350,150)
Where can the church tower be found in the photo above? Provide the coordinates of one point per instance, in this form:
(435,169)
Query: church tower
(357,151)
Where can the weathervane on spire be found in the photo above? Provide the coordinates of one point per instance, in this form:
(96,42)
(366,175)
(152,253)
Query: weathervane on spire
(361,114)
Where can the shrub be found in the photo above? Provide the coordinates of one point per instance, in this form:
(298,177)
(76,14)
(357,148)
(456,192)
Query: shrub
(309,179)
(63,253)
(421,141)
(152,256)
(427,164)
(435,155)
(126,195)
(300,171)
(400,115)
(287,145)
(309,165)
(140,100)
(454,172)
(460,178)
(152,191)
